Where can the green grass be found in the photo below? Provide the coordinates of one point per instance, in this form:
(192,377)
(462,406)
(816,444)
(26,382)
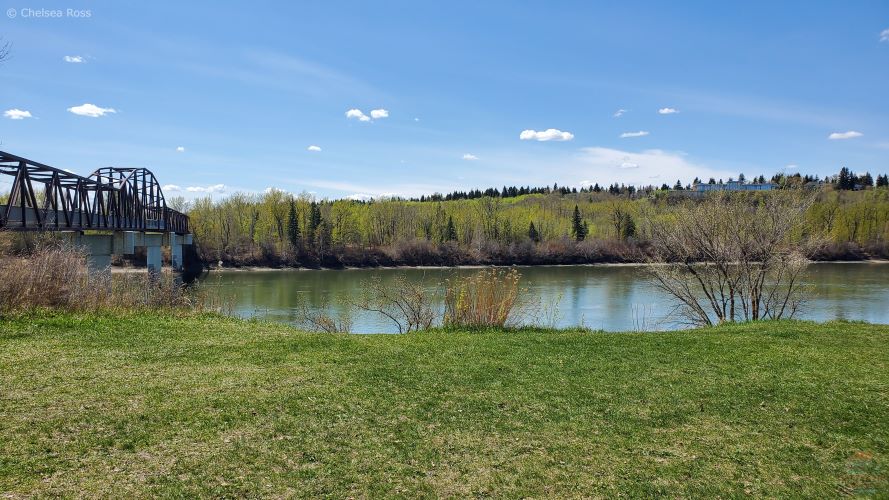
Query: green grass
(148,405)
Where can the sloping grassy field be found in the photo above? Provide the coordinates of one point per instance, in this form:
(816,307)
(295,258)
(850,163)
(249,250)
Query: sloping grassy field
(146,405)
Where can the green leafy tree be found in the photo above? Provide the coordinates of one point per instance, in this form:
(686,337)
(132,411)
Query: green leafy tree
(451,231)
(293,234)
(578,229)
(533,234)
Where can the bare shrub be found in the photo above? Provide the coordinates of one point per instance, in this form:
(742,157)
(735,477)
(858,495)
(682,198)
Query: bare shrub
(485,299)
(730,257)
(318,320)
(408,304)
(54,275)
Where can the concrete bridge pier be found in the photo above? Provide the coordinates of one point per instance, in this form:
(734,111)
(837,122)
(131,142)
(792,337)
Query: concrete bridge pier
(99,248)
(176,242)
(152,243)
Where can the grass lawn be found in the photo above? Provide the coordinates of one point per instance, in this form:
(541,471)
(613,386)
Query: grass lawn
(147,405)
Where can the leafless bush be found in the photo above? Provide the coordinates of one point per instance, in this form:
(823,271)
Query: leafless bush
(54,275)
(408,304)
(318,320)
(730,257)
(485,299)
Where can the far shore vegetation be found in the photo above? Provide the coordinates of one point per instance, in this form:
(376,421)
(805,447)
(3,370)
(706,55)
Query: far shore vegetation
(849,218)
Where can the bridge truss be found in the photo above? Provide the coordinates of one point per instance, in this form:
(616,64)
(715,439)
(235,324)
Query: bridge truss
(44,198)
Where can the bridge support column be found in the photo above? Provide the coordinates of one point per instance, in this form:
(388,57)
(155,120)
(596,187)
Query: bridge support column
(99,248)
(176,251)
(153,244)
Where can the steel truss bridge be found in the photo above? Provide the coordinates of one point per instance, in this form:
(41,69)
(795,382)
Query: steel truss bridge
(44,198)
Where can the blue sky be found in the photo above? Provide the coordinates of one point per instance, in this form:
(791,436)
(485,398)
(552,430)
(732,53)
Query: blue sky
(219,97)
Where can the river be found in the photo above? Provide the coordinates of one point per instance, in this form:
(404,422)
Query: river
(611,298)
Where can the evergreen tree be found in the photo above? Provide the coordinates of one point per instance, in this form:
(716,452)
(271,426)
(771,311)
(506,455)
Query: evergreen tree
(845,180)
(629,227)
(451,233)
(314,220)
(533,234)
(293,226)
(866,180)
(678,186)
(577,228)
(882,180)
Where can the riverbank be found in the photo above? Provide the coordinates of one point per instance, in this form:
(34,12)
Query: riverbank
(601,264)
(150,405)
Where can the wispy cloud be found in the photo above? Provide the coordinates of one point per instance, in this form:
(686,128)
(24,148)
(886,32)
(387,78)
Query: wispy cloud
(74,59)
(667,111)
(313,148)
(171,188)
(91,110)
(619,113)
(215,188)
(641,133)
(17,114)
(550,134)
(470,157)
(379,113)
(884,35)
(180,149)
(845,135)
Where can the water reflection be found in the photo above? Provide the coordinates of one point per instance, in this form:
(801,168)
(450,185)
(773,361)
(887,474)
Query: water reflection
(602,297)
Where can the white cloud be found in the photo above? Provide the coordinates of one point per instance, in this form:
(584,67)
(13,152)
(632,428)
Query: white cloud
(379,113)
(416,119)
(172,188)
(619,113)
(791,166)
(641,133)
(17,114)
(216,188)
(845,135)
(667,111)
(550,134)
(360,197)
(884,35)
(357,113)
(180,149)
(639,168)
(74,59)
(91,110)
(313,148)
(470,157)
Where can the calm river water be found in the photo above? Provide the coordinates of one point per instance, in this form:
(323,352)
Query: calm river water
(612,298)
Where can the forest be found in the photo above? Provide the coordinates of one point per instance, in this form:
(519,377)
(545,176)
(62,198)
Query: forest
(847,219)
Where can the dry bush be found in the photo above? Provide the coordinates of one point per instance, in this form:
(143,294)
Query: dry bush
(318,320)
(731,257)
(54,276)
(485,299)
(407,303)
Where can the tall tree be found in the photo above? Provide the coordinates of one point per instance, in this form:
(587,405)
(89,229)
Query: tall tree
(577,227)
(533,234)
(314,220)
(451,233)
(293,226)
(845,180)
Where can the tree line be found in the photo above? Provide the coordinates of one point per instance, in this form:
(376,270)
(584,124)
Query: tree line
(551,226)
